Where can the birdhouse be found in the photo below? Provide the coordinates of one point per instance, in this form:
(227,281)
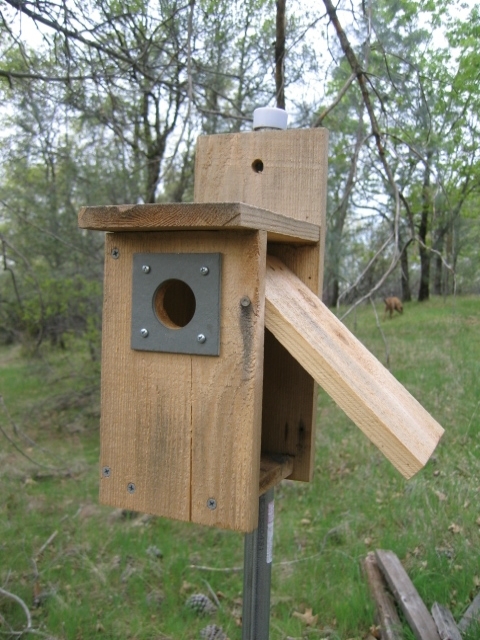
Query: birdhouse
(214,339)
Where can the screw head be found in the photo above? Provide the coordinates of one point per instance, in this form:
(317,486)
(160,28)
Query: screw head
(106,472)
(204,271)
(144,333)
(212,504)
(201,338)
(146,268)
(245,301)
(115,253)
(131,487)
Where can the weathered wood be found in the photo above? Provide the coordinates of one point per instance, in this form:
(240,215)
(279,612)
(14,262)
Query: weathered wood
(387,615)
(201,216)
(447,629)
(472,614)
(408,599)
(292,183)
(368,393)
(294,168)
(185,429)
(273,469)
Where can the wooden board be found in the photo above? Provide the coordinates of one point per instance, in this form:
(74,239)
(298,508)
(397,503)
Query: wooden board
(185,429)
(416,613)
(368,393)
(447,629)
(273,469)
(472,614)
(292,183)
(293,179)
(201,216)
(387,615)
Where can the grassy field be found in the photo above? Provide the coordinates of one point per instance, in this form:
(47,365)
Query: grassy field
(86,571)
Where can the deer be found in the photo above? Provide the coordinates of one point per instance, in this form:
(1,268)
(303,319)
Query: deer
(392,304)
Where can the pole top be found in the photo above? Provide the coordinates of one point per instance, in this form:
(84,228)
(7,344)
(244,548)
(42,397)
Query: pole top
(269,118)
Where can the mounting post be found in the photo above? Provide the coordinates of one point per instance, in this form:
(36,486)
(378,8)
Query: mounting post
(257,570)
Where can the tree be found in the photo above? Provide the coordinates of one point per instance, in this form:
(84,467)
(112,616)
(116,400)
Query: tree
(407,84)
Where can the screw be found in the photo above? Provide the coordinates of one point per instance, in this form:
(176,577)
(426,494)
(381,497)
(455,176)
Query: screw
(144,333)
(115,253)
(212,504)
(201,338)
(204,271)
(146,268)
(106,472)
(245,301)
(131,487)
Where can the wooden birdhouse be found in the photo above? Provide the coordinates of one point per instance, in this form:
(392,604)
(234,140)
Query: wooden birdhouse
(214,338)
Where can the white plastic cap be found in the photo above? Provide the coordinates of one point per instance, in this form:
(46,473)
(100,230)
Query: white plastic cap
(270,118)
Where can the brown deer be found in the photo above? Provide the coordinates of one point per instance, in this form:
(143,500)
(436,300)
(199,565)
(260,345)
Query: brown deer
(392,304)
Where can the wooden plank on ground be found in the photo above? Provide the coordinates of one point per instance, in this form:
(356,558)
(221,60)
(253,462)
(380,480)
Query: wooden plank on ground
(201,216)
(413,607)
(445,622)
(368,393)
(388,619)
(472,614)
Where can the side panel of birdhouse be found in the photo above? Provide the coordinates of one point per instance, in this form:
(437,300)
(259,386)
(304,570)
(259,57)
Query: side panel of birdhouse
(285,172)
(180,432)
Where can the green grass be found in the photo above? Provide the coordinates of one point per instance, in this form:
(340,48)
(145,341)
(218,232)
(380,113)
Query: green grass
(112,575)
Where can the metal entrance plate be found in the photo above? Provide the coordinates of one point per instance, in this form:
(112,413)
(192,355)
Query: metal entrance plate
(176,302)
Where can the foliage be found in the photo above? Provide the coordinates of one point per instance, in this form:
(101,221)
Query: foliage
(103,102)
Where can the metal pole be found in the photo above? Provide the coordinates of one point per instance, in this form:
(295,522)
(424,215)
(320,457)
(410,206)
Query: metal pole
(257,570)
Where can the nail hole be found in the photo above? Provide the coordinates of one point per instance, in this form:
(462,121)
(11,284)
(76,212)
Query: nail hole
(174,304)
(257,166)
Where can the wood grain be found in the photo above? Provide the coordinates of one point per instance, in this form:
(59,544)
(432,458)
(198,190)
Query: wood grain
(273,469)
(471,615)
(293,179)
(408,599)
(368,393)
(185,429)
(387,615)
(447,629)
(201,216)
(293,184)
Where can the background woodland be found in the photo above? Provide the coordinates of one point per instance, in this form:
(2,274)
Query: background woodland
(102,102)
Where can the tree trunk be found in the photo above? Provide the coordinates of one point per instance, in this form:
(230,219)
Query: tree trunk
(338,218)
(437,276)
(280,54)
(405,279)
(424,289)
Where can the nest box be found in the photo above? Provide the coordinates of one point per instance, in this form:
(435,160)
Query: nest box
(214,338)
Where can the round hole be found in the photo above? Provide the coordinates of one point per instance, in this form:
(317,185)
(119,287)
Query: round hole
(257,166)
(174,304)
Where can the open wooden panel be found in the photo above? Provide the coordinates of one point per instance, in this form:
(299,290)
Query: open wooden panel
(368,393)
(285,172)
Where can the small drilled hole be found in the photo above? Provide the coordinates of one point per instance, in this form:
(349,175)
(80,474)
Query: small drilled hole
(257,166)
(174,304)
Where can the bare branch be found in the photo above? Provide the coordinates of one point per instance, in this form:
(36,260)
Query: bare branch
(280,54)
(361,76)
(9,75)
(379,327)
(377,286)
(15,598)
(318,122)
(17,431)
(46,544)
(189,57)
